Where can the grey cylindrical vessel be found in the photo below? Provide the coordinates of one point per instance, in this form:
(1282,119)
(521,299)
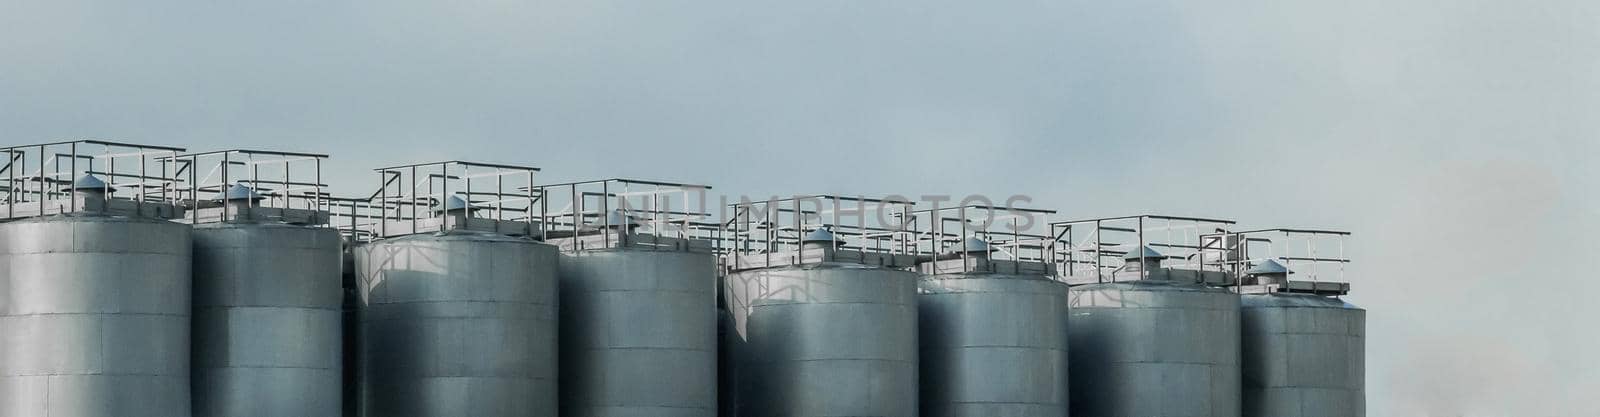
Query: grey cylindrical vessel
(1154,349)
(458,324)
(993,345)
(831,339)
(94,317)
(1304,356)
(266,320)
(638,333)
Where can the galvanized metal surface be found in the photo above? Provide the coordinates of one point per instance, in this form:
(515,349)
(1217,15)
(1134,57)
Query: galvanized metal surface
(827,339)
(266,320)
(1154,349)
(993,345)
(460,324)
(1304,356)
(94,317)
(638,334)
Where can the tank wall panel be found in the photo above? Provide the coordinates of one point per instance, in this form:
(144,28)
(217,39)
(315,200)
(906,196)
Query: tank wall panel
(639,334)
(993,346)
(267,324)
(1154,349)
(460,324)
(1303,356)
(94,318)
(829,340)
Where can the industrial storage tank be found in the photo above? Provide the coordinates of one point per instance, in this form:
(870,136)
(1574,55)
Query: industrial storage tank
(267,325)
(638,302)
(1152,341)
(458,316)
(822,329)
(94,286)
(993,323)
(1303,347)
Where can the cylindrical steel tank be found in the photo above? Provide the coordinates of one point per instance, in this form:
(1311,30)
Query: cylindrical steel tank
(1154,349)
(266,320)
(1304,356)
(993,345)
(94,317)
(638,333)
(458,324)
(831,339)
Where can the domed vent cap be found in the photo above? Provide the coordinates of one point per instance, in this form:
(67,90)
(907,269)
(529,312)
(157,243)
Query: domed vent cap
(973,244)
(820,235)
(1145,252)
(617,218)
(452,203)
(89,182)
(1270,266)
(238,192)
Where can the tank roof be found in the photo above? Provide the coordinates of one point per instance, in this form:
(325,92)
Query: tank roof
(1281,299)
(1150,285)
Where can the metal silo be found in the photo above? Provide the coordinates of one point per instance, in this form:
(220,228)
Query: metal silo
(458,303)
(94,283)
(1303,348)
(1149,340)
(825,317)
(267,326)
(993,320)
(638,299)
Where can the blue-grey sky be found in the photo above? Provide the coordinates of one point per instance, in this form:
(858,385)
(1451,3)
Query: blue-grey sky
(1454,137)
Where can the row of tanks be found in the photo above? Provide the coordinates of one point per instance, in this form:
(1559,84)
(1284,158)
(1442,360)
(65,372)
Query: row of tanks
(123,295)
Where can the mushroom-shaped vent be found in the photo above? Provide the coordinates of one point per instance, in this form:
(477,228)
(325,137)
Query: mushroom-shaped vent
(452,203)
(1145,252)
(237,192)
(1270,266)
(819,235)
(972,244)
(89,182)
(617,218)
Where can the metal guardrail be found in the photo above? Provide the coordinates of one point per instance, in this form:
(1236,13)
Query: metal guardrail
(1316,254)
(781,225)
(285,181)
(441,196)
(1082,246)
(40,178)
(1012,233)
(615,209)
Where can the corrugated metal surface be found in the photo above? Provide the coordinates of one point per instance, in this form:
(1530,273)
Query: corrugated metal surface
(266,320)
(1304,356)
(825,340)
(94,317)
(638,333)
(461,324)
(993,345)
(1154,349)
